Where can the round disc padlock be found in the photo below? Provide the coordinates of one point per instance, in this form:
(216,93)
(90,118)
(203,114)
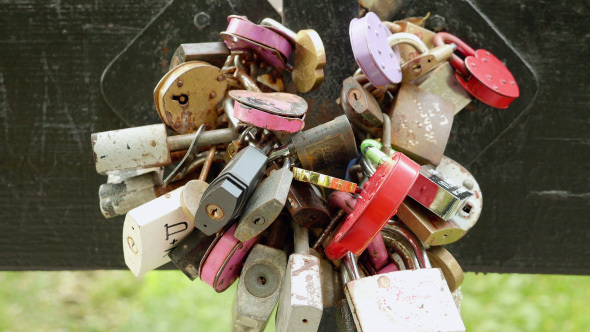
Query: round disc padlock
(187,96)
(377,203)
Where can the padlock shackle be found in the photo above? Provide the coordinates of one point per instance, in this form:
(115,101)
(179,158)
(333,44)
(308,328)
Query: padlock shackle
(408,39)
(443,38)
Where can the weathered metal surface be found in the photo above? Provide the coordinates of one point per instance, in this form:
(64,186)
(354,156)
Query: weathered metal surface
(420,124)
(214,53)
(411,300)
(442,82)
(361,107)
(187,96)
(270,55)
(189,253)
(130,148)
(309,61)
(241,26)
(118,198)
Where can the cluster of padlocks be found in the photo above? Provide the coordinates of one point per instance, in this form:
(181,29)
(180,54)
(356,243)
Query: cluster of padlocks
(307,219)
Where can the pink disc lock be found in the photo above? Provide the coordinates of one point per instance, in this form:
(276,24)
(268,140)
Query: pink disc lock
(224,263)
(282,112)
(269,55)
(241,26)
(378,254)
(378,61)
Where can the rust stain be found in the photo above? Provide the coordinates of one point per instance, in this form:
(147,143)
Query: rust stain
(153,143)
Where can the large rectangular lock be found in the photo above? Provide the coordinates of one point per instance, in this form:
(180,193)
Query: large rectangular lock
(442,82)
(267,201)
(226,196)
(433,192)
(151,230)
(410,300)
(421,123)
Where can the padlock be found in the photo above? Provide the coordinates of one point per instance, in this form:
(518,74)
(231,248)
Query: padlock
(305,207)
(323,180)
(371,50)
(344,318)
(361,107)
(265,204)
(226,196)
(420,123)
(191,252)
(278,111)
(242,75)
(482,74)
(120,197)
(442,82)
(430,228)
(442,198)
(401,253)
(236,145)
(243,34)
(459,175)
(187,96)
(410,300)
(378,202)
(260,281)
(214,53)
(147,146)
(442,259)
(224,262)
(326,148)
(300,304)
(151,230)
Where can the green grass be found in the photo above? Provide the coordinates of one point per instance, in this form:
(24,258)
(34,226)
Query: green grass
(168,301)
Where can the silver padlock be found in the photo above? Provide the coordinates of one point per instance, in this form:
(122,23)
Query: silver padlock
(265,204)
(260,281)
(301,302)
(118,198)
(409,300)
(151,230)
(147,146)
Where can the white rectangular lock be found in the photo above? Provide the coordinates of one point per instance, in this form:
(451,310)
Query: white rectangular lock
(301,302)
(151,230)
(410,300)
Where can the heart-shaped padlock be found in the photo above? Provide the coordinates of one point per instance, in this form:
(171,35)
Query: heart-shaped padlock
(482,74)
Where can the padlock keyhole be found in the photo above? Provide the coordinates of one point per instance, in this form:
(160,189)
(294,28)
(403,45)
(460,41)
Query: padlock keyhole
(182,99)
(261,281)
(467,208)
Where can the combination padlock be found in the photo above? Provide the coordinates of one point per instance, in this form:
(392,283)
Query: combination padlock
(378,202)
(301,303)
(187,96)
(260,281)
(482,74)
(226,196)
(147,146)
(265,204)
(409,300)
(224,261)
(277,111)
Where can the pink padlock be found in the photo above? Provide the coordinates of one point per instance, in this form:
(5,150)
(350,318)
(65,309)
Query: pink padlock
(372,52)
(282,112)
(268,54)
(224,263)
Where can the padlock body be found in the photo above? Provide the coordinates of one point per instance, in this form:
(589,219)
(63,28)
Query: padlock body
(429,228)
(327,148)
(131,148)
(410,300)
(361,108)
(119,198)
(151,230)
(421,124)
(258,288)
(442,82)
(189,253)
(300,304)
(215,53)
(305,207)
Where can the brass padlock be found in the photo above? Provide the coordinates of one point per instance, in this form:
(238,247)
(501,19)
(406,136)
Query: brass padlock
(420,124)
(187,96)
(407,52)
(361,108)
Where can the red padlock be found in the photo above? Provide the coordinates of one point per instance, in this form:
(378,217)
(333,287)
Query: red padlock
(482,74)
(377,203)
